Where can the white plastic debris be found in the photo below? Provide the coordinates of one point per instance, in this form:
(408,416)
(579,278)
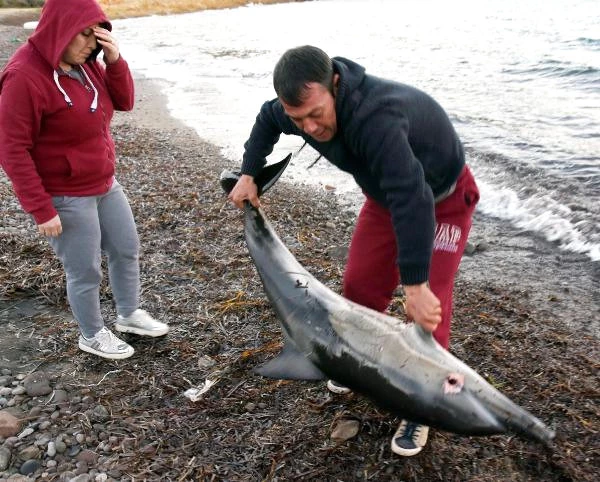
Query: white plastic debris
(195,394)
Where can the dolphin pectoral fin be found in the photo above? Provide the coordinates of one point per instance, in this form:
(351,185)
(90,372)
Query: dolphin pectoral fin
(290,364)
(264,179)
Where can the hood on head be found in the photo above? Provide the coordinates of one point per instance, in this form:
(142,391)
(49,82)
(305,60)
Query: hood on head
(60,21)
(351,74)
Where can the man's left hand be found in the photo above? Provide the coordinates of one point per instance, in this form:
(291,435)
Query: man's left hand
(423,306)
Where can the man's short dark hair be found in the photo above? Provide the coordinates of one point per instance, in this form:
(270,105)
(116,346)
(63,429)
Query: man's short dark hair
(298,67)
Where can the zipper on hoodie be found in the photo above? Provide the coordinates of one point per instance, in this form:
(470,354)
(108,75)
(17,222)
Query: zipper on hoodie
(84,80)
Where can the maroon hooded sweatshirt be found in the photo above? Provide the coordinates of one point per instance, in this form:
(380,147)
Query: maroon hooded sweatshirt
(55,132)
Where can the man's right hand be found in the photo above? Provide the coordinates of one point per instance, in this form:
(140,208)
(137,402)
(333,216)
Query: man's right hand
(245,189)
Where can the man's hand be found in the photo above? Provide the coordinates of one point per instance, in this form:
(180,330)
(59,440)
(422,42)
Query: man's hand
(245,189)
(423,306)
(51,228)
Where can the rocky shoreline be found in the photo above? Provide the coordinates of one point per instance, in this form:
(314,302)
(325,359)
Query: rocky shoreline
(68,416)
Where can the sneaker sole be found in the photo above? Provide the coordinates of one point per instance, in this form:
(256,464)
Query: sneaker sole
(140,331)
(337,389)
(110,356)
(405,452)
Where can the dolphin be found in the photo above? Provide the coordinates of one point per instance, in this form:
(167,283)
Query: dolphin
(398,366)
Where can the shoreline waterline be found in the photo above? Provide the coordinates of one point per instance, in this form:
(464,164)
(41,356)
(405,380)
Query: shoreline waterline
(536,165)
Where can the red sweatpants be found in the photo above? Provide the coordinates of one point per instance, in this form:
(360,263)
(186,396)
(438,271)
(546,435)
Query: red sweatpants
(372,275)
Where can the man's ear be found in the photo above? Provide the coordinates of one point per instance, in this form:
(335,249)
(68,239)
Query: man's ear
(336,80)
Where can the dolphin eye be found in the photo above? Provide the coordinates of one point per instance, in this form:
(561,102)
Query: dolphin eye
(454,383)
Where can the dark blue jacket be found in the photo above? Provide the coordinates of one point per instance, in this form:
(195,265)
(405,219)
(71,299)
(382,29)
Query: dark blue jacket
(397,143)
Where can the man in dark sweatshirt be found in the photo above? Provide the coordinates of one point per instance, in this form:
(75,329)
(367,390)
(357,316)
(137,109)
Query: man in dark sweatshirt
(400,147)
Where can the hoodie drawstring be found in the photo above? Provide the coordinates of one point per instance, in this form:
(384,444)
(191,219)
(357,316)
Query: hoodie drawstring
(62,91)
(94,105)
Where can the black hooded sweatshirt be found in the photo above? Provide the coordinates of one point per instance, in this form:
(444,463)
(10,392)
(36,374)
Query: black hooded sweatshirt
(396,141)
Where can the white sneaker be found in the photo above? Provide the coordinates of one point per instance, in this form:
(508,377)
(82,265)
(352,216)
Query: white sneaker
(335,387)
(410,438)
(141,323)
(106,344)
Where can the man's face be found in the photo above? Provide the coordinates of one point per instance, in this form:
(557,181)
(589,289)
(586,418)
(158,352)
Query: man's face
(80,47)
(316,115)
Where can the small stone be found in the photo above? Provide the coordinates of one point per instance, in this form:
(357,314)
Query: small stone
(88,456)
(51,451)
(82,468)
(42,441)
(470,249)
(5,456)
(60,397)
(31,452)
(61,447)
(99,414)
(9,424)
(80,437)
(483,246)
(101,478)
(51,463)
(19,390)
(345,430)
(74,450)
(45,424)
(29,467)
(35,411)
(11,441)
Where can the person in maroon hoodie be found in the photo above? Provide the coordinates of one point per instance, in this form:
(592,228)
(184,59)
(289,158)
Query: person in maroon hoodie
(56,104)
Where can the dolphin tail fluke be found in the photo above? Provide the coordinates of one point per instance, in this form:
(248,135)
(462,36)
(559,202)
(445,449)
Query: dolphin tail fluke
(264,180)
(290,364)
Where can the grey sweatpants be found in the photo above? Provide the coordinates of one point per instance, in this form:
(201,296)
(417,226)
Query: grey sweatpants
(92,225)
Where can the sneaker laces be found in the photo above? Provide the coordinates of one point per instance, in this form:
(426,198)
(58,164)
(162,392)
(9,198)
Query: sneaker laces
(106,337)
(412,430)
(409,430)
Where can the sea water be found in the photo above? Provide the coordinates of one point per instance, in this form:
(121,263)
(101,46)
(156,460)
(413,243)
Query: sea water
(519,79)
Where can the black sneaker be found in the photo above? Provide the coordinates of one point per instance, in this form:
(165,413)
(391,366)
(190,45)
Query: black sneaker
(410,438)
(337,388)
